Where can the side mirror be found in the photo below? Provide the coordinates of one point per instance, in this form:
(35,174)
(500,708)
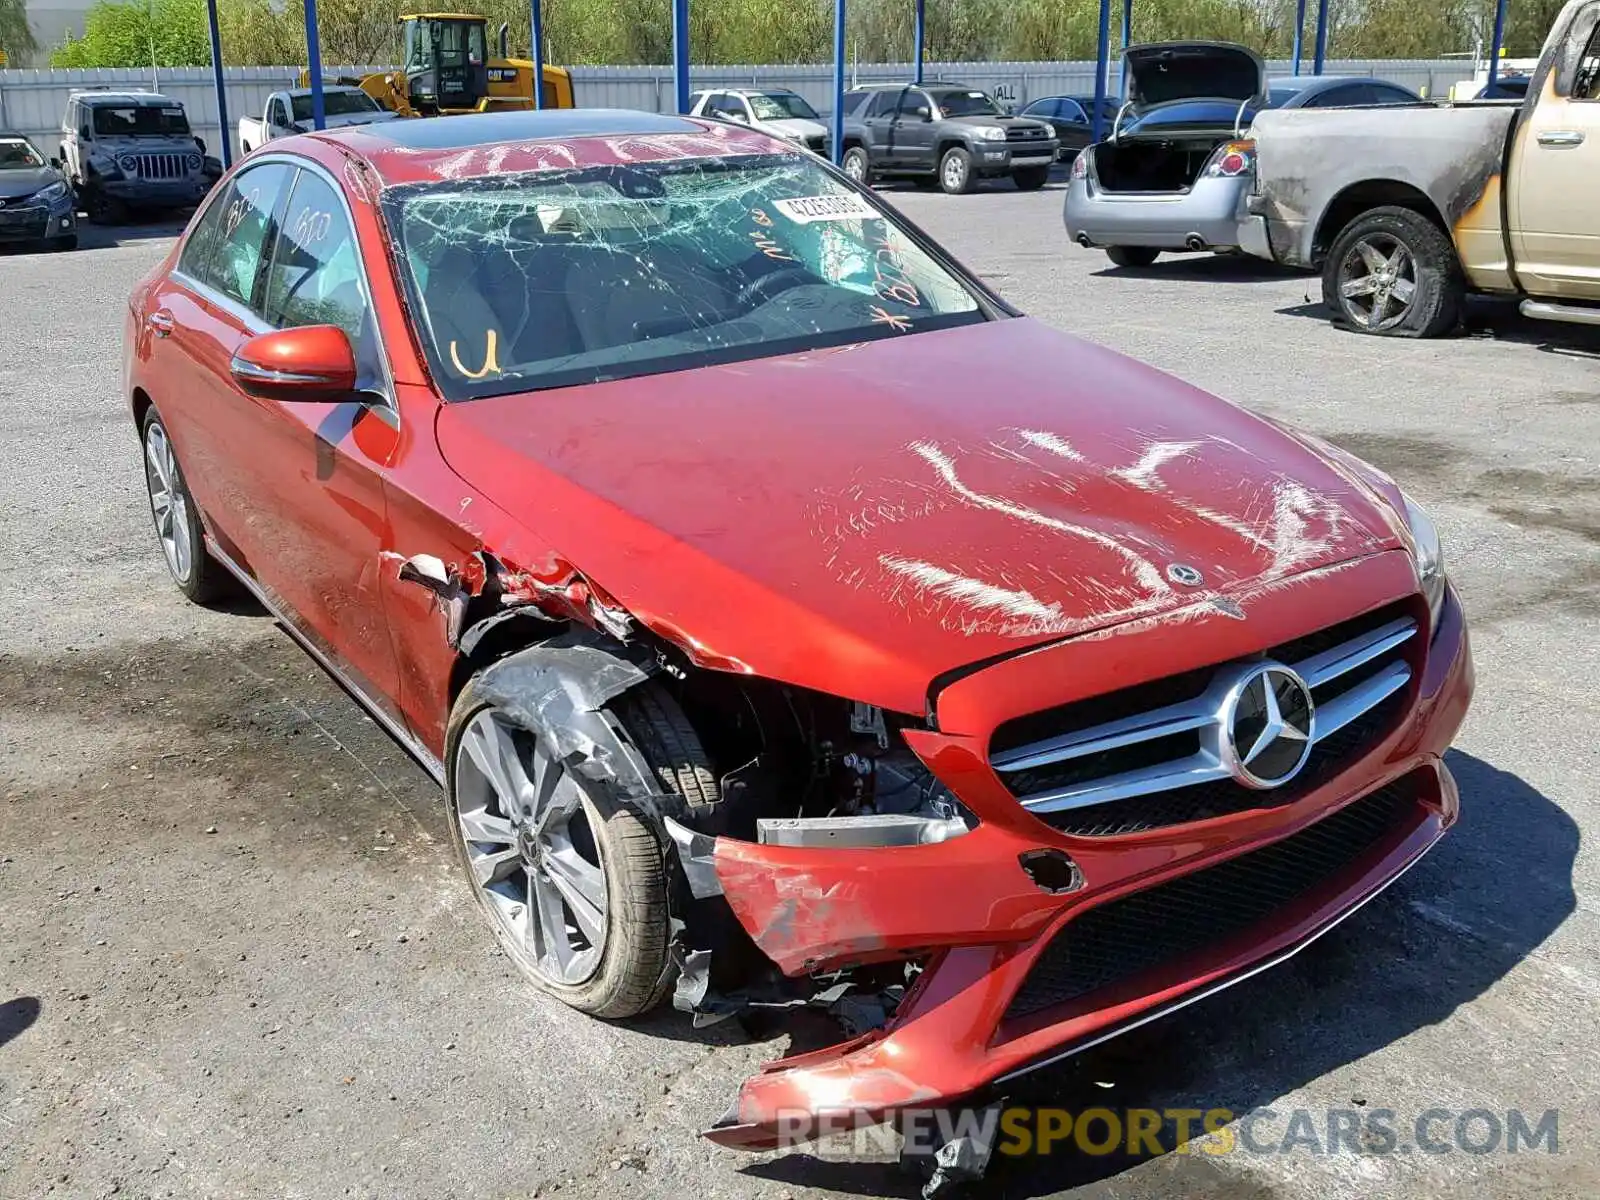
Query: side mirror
(739,117)
(85,134)
(922,113)
(312,363)
(200,142)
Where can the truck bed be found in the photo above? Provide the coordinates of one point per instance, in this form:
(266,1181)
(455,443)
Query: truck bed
(1452,154)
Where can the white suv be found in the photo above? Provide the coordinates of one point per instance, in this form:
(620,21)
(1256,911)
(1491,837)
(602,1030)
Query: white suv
(777,111)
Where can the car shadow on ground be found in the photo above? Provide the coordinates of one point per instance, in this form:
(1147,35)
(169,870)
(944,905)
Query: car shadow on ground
(16,1016)
(1496,319)
(1202,267)
(1496,887)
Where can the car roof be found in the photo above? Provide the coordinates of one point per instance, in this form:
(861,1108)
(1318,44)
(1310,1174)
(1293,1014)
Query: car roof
(747,91)
(123,99)
(435,149)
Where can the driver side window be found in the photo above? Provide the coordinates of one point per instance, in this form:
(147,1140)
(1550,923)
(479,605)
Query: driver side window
(315,277)
(1586,85)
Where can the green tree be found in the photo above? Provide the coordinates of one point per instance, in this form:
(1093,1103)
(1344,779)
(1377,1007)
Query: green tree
(16,39)
(163,33)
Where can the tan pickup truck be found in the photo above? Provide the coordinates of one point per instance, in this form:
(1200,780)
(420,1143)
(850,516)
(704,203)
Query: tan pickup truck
(1406,212)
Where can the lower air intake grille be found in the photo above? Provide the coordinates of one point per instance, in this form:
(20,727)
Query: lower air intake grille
(1120,939)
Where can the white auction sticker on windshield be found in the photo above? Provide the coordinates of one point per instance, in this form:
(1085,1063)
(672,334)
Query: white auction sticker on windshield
(841,206)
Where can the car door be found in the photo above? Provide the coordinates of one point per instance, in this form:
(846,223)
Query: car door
(1555,219)
(878,118)
(197,317)
(315,471)
(913,130)
(1071,125)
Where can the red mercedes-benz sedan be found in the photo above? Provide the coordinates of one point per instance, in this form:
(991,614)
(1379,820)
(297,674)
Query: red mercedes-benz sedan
(787,619)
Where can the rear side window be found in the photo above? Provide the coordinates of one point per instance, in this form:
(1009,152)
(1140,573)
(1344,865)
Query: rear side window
(884,103)
(1586,86)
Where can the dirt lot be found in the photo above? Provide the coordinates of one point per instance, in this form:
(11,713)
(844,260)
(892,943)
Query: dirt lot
(235,958)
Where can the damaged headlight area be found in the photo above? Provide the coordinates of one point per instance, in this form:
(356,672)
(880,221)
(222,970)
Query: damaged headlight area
(1428,554)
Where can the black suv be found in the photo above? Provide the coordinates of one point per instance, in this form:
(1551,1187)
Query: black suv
(941,131)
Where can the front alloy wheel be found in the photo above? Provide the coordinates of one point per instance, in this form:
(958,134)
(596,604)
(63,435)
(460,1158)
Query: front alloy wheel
(854,164)
(955,171)
(572,879)
(528,832)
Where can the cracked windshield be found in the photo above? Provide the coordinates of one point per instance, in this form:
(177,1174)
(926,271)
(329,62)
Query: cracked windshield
(550,279)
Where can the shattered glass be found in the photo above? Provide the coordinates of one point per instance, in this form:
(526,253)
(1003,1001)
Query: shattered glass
(553,278)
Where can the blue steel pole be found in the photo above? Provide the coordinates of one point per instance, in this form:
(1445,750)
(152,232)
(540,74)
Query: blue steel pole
(1299,33)
(680,53)
(216,76)
(1127,36)
(1102,56)
(921,29)
(838,81)
(538,53)
(319,115)
(1322,37)
(1499,40)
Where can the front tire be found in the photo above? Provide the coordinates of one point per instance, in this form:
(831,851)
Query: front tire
(1030,179)
(955,171)
(1132,256)
(1394,273)
(198,576)
(101,208)
(572,882)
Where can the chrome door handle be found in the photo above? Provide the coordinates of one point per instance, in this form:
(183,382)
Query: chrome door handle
(160,323)
(1560,137)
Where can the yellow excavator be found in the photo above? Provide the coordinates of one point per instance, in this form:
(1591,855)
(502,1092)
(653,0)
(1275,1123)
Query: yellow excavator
(445,69)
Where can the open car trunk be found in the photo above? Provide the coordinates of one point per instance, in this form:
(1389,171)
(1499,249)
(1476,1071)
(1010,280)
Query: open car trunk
(1170,163)
(1172,77)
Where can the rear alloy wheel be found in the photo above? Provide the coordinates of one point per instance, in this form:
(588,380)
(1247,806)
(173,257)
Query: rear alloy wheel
(198,576)
(955,171)
(1132,256)
(1030,179)
(1393,272)
(572,881)
(855,165)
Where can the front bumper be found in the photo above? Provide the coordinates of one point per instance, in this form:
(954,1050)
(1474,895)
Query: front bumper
(1001,158)
(173,193)
(1211,210)
(982,927)
(38,223)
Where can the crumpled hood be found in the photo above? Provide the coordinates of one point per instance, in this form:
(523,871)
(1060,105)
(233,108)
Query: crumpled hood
(863,519)
(25,181)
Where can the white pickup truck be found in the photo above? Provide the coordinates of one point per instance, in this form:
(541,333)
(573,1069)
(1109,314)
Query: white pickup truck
(289,112)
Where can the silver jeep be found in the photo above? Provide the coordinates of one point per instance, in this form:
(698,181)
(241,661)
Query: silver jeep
(131,150)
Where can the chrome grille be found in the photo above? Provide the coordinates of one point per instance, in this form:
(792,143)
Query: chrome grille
(1025,134)
(159,166)
(1151,756)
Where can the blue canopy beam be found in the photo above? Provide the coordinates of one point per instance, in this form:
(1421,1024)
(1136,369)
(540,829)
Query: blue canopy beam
(680,54)
(319,114)
(837,139)
(1299,33)
(1102,57)
(1127,37)
(536,13)
(1322,37)
(1499,41)
(216,77)
(921,31)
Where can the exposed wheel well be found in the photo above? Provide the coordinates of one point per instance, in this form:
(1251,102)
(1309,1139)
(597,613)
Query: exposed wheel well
(141,405)
(1368,194)
(854,143)
(946,145)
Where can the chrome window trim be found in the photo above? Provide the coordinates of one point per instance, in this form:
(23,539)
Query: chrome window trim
(382,401)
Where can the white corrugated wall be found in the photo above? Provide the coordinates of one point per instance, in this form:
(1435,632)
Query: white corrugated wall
(32,102)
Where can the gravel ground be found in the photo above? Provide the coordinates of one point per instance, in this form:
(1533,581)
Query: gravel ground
(235,958)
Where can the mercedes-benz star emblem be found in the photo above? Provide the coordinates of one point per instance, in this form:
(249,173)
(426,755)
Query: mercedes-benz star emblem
(1185,574)
(1269,726)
